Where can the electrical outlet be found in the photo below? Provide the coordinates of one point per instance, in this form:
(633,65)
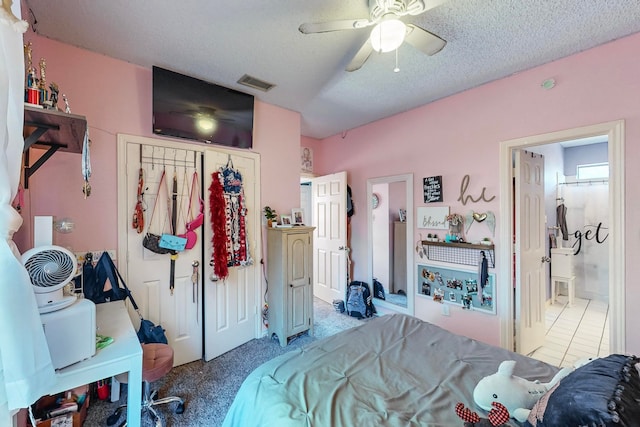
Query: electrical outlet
(445,309)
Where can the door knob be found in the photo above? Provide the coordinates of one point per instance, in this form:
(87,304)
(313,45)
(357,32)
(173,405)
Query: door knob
(545,259)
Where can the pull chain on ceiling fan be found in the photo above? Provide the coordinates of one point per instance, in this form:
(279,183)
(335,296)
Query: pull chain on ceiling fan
(389,31)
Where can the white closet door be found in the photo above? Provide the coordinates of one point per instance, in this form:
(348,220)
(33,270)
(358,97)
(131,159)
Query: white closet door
(149,274)
(232,312)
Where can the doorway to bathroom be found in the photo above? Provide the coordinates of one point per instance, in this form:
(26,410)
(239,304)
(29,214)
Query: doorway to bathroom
(609,263)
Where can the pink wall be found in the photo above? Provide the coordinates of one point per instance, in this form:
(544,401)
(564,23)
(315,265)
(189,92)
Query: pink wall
(453,137)
(115,97)
(461,135)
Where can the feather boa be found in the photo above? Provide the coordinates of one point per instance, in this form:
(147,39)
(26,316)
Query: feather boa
(218,220)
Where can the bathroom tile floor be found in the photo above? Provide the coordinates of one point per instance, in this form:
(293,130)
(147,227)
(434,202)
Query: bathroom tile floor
(575,332)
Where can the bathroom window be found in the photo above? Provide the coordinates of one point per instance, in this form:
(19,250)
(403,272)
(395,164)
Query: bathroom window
(593,171)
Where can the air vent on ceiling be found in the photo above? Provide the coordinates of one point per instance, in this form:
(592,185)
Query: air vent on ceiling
(255,83)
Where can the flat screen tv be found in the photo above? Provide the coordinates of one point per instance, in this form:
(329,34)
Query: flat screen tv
(191,108)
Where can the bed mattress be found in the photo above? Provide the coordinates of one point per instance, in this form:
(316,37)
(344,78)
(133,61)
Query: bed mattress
(394,370)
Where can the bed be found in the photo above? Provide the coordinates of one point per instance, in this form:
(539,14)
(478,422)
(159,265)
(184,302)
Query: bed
(394,370)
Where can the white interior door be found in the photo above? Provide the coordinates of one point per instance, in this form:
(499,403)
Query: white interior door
(529,251)
(148,273)
(329,202)
(231,315)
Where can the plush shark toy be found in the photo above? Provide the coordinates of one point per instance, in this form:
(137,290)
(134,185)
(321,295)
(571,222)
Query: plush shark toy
(516,394)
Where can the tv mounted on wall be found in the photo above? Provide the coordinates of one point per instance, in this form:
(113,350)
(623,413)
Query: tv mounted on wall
(191,108)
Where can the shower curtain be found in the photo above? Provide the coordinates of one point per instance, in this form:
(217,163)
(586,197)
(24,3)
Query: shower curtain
(587,208)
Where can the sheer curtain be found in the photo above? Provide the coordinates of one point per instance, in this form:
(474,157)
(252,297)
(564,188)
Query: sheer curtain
(26,372)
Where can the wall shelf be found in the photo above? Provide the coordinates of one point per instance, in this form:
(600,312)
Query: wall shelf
(51,130)
(459,253)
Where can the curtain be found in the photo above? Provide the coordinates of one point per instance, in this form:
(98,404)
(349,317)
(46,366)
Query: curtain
(588,207)
(26,371)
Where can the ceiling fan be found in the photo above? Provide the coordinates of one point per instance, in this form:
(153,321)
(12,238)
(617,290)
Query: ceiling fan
(389,32)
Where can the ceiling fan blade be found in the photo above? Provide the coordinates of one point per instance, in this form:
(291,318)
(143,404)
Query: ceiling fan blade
(424,40)
(360,58)
(325,27)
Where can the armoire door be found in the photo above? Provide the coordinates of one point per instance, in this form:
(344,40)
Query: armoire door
(298,282)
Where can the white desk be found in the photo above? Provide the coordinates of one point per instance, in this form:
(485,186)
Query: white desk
(123,355)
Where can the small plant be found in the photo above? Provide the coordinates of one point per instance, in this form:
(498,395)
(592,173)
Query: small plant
(269,213)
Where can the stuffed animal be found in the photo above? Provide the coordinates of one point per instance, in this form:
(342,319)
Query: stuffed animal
(516,394)
(498,416)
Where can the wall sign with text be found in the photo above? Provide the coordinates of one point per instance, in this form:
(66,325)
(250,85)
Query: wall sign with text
(432,218)
(432,188)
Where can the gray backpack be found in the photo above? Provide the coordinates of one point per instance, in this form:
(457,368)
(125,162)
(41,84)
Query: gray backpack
(359,301)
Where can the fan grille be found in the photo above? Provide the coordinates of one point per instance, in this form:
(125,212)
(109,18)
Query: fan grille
(50,268)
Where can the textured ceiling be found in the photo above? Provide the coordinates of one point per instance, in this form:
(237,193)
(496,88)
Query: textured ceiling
(219,41)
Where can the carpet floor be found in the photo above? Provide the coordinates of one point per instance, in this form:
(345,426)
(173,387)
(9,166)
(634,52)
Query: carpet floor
(208,388)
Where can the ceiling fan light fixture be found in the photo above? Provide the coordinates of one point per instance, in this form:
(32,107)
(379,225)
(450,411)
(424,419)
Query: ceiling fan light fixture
(205,124)
(388,35)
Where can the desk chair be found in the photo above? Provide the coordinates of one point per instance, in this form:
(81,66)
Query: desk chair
(157,361)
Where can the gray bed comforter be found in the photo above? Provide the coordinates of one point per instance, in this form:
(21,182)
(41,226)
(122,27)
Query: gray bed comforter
(395,370)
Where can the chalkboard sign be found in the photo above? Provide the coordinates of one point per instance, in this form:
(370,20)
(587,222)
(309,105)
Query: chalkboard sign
(432,187)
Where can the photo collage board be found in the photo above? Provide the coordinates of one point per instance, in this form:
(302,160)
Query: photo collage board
(457,286)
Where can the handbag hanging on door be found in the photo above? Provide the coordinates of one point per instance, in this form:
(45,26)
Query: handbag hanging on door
(194,223)
(151,241)
(168,240)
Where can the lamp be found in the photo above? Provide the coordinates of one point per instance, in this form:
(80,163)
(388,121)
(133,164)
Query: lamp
(388,34)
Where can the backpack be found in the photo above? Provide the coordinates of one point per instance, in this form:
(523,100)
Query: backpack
(359,300)
(378,289)
(94,280)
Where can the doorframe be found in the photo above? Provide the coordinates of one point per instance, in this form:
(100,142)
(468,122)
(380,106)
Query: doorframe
(617,314)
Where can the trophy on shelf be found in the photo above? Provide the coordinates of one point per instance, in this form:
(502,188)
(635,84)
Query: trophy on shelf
(43,95)
(53,99)
(32,92)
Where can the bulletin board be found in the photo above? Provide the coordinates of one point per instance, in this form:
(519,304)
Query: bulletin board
(456,286)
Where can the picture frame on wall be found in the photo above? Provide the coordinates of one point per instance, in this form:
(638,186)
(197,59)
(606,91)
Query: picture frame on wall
(297,216)
(306,159)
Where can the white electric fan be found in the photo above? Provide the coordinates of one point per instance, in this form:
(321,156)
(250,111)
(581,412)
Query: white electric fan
(50,269)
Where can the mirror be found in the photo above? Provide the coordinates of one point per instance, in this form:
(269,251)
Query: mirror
(390,223)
